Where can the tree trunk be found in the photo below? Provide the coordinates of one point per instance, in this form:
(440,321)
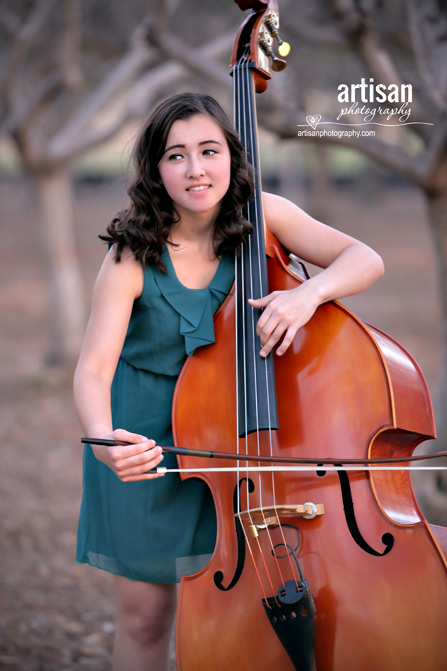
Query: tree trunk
(437,206)
(66,300)
(431,487)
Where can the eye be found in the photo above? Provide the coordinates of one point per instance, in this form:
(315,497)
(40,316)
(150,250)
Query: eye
(209,152)
(175,157)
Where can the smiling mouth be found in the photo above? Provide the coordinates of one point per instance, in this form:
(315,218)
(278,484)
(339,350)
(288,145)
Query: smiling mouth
(202,187)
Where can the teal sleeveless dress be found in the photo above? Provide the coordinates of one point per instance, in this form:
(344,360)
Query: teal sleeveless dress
(155,530)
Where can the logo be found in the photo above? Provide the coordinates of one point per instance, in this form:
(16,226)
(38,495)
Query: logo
(313,120)
(367,104)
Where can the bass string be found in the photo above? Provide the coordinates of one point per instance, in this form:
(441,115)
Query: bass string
(241,339)
(239,310)
(254,212)
(260,231)
(253,209)
(241,123)
(245,116)
(236,299)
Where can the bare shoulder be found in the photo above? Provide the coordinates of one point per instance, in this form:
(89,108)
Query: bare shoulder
(116,288)
(281,213)
(303,235)
(271,201)
(124,278)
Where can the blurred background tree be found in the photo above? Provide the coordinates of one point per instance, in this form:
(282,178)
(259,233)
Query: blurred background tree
(74,73)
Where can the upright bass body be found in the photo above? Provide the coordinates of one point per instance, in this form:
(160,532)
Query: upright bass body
(376,571)
(325,568)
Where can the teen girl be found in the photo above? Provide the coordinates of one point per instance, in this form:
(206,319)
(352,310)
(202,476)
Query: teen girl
(169,267)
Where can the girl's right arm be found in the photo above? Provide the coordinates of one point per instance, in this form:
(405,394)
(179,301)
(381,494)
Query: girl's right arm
(116,288)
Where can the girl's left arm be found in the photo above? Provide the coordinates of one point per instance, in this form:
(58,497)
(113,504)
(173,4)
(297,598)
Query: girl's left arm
(349,267)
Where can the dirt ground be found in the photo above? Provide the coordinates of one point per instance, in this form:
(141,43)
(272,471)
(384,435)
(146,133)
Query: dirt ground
(54,614)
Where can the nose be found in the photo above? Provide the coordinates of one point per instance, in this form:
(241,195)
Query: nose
(195,166)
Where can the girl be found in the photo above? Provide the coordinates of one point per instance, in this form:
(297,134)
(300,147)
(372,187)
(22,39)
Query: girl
(169,267)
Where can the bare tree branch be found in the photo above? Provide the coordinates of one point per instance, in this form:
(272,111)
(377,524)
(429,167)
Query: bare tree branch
(433,162)
(421,58)
(175,48)
(310,32)
(163,11)
(136,102)
(141,92)
(25,38)
(70,66)
(9,21)
(26,114)
(113,85)
(357,28)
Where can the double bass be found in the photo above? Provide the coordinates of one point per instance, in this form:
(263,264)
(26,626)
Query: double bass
(330,565)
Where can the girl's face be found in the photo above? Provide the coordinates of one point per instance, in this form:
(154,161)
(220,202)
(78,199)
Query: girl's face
(196,166)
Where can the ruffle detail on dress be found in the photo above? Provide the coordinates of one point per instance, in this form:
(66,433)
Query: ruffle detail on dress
(196,307)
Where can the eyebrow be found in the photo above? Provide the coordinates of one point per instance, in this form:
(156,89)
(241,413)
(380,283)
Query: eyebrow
(183,146)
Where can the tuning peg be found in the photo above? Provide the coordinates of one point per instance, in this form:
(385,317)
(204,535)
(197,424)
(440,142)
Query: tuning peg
(272,25)
(265,42)
(278,64)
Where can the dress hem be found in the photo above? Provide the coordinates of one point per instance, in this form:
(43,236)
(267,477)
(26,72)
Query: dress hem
(125,575)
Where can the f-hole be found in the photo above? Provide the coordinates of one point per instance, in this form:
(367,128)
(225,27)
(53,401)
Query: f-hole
(240,537)
(348,507)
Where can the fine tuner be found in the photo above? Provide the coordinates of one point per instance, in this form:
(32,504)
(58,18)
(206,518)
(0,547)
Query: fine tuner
(267,34)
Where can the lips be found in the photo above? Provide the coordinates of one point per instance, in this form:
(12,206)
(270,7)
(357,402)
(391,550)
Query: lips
(198,187)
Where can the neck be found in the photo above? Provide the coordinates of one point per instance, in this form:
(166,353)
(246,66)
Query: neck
(193,229)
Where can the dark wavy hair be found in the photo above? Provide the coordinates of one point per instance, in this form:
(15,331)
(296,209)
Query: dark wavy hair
(144,227)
